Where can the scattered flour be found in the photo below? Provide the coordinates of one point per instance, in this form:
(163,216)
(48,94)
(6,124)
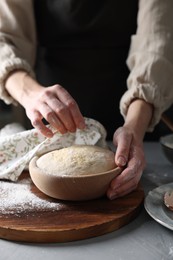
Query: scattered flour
(16,198)
(171,251)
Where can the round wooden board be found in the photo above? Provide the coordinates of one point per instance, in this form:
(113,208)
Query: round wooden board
(60,221)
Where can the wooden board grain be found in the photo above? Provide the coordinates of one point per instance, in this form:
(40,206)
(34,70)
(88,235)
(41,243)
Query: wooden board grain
(64,221)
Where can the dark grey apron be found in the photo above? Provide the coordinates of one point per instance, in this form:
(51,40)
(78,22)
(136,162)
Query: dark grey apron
(83,45)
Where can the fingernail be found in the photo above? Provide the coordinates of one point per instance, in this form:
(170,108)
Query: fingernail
(113,196)
(49,134)
(121,161)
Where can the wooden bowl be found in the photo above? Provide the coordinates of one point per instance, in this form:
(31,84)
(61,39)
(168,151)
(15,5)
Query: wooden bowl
(73,188)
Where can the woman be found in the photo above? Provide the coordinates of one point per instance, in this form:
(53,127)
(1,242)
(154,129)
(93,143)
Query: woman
(77,49)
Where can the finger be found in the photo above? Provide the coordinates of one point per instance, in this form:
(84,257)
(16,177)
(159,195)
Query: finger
(123,141)
(124,190)
(77,117)
(56,123)
(128,179)
(134,168)
(124,177)
(51,117)
(36,121)
(63,113)
(67,99)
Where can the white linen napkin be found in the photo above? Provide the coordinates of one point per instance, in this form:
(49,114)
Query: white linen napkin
(18,147)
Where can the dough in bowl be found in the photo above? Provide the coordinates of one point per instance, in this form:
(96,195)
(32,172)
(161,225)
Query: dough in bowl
(77,160)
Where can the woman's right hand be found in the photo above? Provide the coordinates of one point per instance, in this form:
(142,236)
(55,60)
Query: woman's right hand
(52,103)
(59,109)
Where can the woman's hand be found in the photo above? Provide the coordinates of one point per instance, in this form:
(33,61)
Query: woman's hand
(53,103)
(128,140)
(130,156)
(59,109)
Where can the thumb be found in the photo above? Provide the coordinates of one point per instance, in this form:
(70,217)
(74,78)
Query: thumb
(122,140)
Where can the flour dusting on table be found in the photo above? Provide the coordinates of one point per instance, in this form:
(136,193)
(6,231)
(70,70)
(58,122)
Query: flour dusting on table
(16,198)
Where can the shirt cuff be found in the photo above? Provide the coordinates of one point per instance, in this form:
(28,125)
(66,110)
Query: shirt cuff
(151,79)
(6,68)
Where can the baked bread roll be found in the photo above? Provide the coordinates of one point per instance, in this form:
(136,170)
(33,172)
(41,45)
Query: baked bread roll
(168,199)
(77,160)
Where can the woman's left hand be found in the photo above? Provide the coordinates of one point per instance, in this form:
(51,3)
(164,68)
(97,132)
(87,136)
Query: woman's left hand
(130,156)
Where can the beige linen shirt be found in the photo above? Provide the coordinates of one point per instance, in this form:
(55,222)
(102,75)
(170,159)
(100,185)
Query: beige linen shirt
(150,58)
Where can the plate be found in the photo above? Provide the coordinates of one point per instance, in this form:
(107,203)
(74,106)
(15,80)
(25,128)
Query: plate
(154,205)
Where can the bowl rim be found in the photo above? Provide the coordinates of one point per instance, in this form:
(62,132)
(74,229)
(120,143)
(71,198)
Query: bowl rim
(162,141)
(33,163)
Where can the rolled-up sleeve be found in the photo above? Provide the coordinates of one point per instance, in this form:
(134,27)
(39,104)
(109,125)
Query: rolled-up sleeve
(17,40)
(150,59)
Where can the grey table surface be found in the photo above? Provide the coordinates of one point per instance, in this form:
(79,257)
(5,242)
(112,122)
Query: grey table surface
(143,238)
